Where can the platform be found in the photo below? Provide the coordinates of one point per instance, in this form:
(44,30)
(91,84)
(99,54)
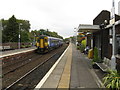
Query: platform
(16,51)
(73,70)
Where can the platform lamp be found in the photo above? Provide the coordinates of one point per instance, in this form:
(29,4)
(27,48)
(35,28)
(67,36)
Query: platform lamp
(34,39)
(75,36)
(19,36)
(113,58)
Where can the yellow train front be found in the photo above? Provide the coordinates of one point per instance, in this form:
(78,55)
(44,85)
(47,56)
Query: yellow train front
(46,43)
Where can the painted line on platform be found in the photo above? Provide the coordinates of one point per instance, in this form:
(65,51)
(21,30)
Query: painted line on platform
(65,78)
(50,71)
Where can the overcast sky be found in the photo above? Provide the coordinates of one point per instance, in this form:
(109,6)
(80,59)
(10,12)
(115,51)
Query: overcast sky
(61,16)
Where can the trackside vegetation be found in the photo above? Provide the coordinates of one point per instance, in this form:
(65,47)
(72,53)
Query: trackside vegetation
(13,27)
(112,80)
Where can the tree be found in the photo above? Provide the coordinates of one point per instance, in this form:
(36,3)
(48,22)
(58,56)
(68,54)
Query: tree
(11,30)
(25,36)
(43,32)
(25,25)
(4,24)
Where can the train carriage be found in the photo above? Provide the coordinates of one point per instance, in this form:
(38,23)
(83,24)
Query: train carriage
(46,43)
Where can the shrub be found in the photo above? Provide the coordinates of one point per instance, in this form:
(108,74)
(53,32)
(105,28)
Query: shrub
(78,47)
(82,48)
(83,43)
(96,57)
(22,46)
(28,46)
(25,46)
(112,79)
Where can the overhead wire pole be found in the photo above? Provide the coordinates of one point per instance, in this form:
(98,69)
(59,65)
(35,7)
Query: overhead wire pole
(113,58)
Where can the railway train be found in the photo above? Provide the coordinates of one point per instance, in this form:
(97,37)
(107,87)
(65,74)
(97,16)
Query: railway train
(46,43)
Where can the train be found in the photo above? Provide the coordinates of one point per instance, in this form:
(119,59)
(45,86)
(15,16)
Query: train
(46,43)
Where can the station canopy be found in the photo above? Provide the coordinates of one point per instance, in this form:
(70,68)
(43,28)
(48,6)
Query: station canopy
(88,28)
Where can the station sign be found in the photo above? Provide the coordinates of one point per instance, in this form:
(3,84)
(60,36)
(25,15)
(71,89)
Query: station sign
(112,21)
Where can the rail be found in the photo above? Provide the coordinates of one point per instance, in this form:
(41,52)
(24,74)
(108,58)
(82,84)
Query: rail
(10,86)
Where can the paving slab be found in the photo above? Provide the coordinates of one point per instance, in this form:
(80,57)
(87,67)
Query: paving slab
(81,76)
(74,71)
(54,78)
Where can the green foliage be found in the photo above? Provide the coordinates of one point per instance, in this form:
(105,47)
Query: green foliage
(73,39)
(25,46)
(66,39)
(112,79)
(96,57)
(44,32)
(25,36)
(25,25)
(10,32)
(83,43)
(78,47)
(82,47)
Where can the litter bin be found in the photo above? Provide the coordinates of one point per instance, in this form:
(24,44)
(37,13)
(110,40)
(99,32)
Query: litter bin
(90,54)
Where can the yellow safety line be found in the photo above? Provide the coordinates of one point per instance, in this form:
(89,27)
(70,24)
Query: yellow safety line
(65,78)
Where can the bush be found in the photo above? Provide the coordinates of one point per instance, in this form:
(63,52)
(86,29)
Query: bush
(22,46)
(112,79)
(28,46)
(78,47)
(82,48)
(96,57)
(25,46)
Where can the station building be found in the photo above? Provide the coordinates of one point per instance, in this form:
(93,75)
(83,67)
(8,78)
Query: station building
(101,35)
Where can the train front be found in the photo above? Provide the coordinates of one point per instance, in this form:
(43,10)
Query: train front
(42,44)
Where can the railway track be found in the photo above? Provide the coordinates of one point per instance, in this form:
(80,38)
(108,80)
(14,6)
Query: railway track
(20,83)
(13,59)
(14,66)
(40,69)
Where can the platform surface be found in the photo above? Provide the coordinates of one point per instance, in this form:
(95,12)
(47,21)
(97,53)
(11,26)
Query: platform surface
(16,51)
(73,71)
(81,72)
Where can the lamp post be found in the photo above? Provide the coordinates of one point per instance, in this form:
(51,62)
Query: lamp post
(113,58)
(75,36)
(19,36)
(34,39)
(1,29)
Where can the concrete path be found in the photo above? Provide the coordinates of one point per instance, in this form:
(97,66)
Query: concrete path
(81,75)
(73,71)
